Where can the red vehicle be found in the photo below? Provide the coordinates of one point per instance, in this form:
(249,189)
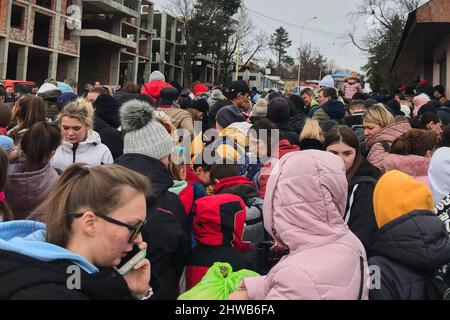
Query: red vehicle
(18,87)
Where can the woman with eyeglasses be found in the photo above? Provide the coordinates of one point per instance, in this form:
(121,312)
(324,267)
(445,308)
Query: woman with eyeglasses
(94,218)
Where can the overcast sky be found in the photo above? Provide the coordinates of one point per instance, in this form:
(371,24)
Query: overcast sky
(331,17)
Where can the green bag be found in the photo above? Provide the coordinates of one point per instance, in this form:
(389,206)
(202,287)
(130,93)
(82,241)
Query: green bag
(217,284)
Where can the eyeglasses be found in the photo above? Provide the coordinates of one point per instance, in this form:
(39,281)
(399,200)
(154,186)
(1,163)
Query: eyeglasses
(135,230)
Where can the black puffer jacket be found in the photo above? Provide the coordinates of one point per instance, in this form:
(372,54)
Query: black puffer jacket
(166,230)
(359,214)
(26,278)
(408,250)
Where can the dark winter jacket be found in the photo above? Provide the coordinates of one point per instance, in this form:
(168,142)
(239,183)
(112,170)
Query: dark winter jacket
(106,122)
(288,133)
(359,214)
(407,251)
(166,230)
(123,97)
(332,110)
(297,122)
(110,136)
(32,269)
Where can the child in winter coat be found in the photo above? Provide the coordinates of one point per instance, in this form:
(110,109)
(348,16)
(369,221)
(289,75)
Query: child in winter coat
(326,260)
(218,227)
(352,85)
(226,179)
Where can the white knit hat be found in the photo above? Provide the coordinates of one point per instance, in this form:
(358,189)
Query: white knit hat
(156,75)
(144,135)
(327,82)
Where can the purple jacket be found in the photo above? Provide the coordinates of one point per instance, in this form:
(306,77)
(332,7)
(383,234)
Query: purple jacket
(303,209)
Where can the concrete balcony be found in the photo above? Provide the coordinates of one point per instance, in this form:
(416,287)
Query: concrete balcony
(108,7)
(99,37)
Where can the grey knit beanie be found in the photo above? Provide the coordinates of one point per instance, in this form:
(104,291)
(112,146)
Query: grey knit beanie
(143,134)
(229,115)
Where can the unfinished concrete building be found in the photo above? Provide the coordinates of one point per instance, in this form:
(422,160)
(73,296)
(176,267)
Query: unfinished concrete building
(33,41)
(168,46)
(87,40)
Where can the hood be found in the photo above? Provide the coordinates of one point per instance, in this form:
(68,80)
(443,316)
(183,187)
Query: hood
(417,239)
(308,215)
(29,238)
(178,186)
(334,109)
(396,194)
(412,165)
(235,134)
(153,89)
(238,184)
(191,177)
(153,169)
(242,127)
(107,108)
(389,133)
(439,174)
(123,97)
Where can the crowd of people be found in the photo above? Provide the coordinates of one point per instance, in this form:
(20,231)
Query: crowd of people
(309,190)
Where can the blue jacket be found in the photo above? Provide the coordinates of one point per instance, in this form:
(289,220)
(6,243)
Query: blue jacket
(31,268)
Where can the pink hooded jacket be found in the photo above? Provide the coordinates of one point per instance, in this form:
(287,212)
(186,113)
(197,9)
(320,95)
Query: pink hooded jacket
(303,209)
(374,145)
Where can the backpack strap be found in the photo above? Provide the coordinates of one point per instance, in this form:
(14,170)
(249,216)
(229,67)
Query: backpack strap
(361,283)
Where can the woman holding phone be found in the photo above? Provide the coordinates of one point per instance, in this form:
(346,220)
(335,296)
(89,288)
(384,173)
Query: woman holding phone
(94,218)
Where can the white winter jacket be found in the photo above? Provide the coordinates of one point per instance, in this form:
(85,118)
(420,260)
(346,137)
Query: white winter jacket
(91,151)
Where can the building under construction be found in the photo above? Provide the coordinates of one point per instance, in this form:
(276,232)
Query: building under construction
(87,40)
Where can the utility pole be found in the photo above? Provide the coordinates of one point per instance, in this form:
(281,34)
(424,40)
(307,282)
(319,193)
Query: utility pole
(238,54)
(300,51)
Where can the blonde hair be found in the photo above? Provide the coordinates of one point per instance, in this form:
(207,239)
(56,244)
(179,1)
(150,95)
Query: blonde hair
(167,123)
(378,114)
(312,130)
(81,109)
(84,188)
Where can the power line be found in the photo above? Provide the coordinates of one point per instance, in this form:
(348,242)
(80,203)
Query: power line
(318,31)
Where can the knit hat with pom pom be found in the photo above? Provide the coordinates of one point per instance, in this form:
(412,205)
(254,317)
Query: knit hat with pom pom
(143,134)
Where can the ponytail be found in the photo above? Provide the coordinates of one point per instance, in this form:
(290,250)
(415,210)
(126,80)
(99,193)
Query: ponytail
(38,144)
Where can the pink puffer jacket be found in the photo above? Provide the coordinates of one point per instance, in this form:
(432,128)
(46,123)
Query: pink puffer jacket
(303,209)
(387,135)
